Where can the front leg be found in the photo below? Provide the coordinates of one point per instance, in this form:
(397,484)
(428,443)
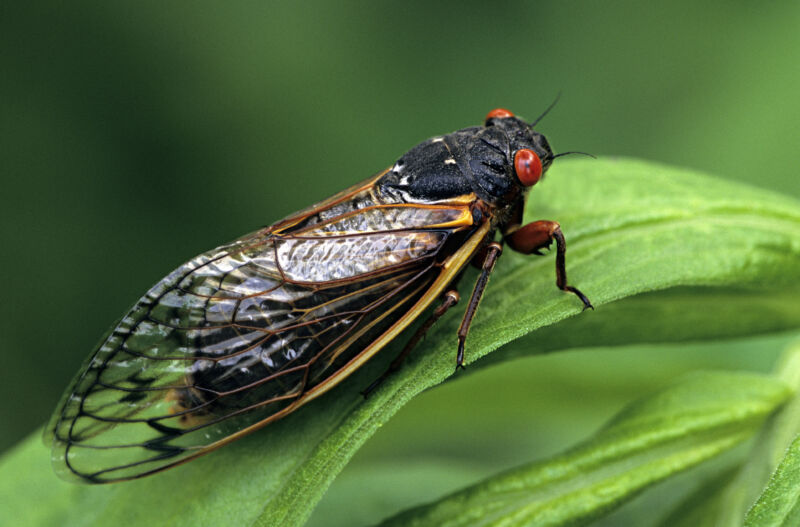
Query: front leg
(538,235)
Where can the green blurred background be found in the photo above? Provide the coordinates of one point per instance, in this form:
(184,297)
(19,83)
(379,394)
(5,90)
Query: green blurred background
(136,135)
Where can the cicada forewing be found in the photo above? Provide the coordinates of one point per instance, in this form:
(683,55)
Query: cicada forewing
(247,332)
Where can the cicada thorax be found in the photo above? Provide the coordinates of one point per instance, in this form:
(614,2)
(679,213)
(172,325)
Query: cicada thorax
(480,164)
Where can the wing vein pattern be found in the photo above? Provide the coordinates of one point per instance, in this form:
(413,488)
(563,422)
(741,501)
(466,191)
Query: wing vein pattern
(238,335)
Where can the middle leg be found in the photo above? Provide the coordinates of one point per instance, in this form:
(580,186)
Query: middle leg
(493,251)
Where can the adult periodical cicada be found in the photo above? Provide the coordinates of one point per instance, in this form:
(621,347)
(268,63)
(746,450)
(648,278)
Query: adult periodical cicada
(246,333)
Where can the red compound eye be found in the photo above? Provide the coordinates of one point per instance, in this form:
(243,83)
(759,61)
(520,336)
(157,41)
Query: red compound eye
(498,113)
(528,167)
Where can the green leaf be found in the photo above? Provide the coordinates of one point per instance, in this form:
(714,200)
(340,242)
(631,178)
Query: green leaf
(526,410)
(650,440)
(725,501)
(779,505)
(631,227)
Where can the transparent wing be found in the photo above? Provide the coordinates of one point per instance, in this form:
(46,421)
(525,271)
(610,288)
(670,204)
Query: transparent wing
(234,338)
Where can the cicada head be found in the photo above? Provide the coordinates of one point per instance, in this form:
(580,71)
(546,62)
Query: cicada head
(528,154)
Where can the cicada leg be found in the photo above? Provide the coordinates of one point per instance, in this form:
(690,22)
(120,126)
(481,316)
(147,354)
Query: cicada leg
(538,235)
(493,251)
(451,298)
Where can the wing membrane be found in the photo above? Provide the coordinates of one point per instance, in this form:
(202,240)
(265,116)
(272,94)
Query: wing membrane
(239,336)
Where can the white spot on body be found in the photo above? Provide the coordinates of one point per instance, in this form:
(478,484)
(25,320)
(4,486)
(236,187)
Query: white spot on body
(450,161)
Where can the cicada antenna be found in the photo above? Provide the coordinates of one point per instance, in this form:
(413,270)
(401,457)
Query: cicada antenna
(574,152)
(552,104)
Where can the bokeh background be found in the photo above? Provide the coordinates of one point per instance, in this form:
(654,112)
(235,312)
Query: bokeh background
(136,135)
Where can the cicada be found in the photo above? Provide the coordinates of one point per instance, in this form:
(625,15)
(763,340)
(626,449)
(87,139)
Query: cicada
(246,333)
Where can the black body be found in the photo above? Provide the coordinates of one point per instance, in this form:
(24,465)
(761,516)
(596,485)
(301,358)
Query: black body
(478,159)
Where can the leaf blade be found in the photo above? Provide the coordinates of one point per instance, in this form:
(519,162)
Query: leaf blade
(779,504)
(675,429)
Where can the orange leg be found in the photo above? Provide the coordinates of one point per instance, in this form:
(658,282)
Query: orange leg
(538,235)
